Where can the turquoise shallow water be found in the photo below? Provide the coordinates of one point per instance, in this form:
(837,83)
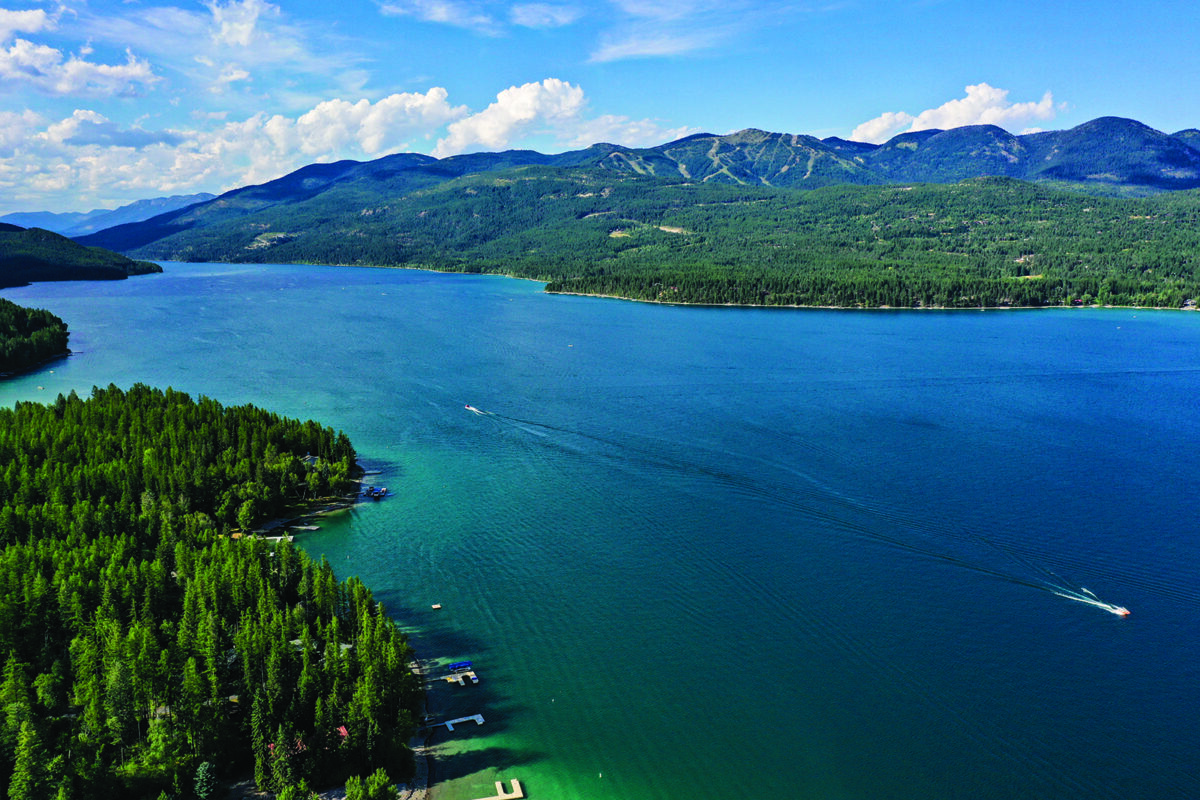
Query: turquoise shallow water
(710,553)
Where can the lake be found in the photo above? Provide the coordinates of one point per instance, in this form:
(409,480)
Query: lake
(715,552)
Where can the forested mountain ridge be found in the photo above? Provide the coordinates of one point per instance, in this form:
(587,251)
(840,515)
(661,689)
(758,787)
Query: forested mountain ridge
(1189,136)
(33,254)
(983,242)
(1108,155)
(141,642)
(1106,152)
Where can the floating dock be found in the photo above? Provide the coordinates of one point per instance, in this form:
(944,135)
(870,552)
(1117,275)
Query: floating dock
(517,792)
(476,718)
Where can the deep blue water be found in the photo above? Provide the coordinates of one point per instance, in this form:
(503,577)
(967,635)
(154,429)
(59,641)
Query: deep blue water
(708,552)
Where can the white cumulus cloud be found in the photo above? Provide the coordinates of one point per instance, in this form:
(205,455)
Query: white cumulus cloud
(374,128)
(982,105)
(27,63)
(883,127)
(49,70)
(552,107)
(517,110)
(89,160)
(15,128)
(27,21)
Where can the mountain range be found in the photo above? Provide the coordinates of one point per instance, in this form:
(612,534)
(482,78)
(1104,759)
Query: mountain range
(81,223)
(1107,156)
(966,217)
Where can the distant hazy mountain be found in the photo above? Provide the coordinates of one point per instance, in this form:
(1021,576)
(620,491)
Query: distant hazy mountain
(41,255)
(49,220)
(80,223)
(1109,155)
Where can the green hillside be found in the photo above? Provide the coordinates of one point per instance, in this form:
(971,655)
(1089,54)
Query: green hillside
(28,255)
(991,241)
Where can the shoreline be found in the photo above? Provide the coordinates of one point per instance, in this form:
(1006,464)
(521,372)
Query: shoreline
(420,268)
(35,367)
(419,787)
(861,308)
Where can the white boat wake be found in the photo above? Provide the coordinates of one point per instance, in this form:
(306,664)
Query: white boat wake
(1090,598)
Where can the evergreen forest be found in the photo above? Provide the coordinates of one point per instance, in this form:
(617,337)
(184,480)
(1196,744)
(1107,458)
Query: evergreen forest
(149,650)
(34,254)
(980,242)
(29,336)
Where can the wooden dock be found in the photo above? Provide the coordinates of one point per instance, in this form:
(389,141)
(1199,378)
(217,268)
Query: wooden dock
(517,792)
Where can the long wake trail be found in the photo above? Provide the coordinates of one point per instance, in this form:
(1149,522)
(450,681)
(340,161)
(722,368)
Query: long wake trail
(1043,579)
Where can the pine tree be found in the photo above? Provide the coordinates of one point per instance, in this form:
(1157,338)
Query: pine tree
(15,705)
(120,714)
(29,778)
(258,743)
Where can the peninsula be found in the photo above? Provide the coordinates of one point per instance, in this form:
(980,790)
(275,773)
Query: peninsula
(146,647)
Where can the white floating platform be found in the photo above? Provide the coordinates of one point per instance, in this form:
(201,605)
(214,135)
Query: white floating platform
(517,792)
(477,719)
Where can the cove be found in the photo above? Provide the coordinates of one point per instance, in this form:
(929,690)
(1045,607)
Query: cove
(709,553)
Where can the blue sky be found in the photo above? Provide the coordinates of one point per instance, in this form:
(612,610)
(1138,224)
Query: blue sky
(103,102)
